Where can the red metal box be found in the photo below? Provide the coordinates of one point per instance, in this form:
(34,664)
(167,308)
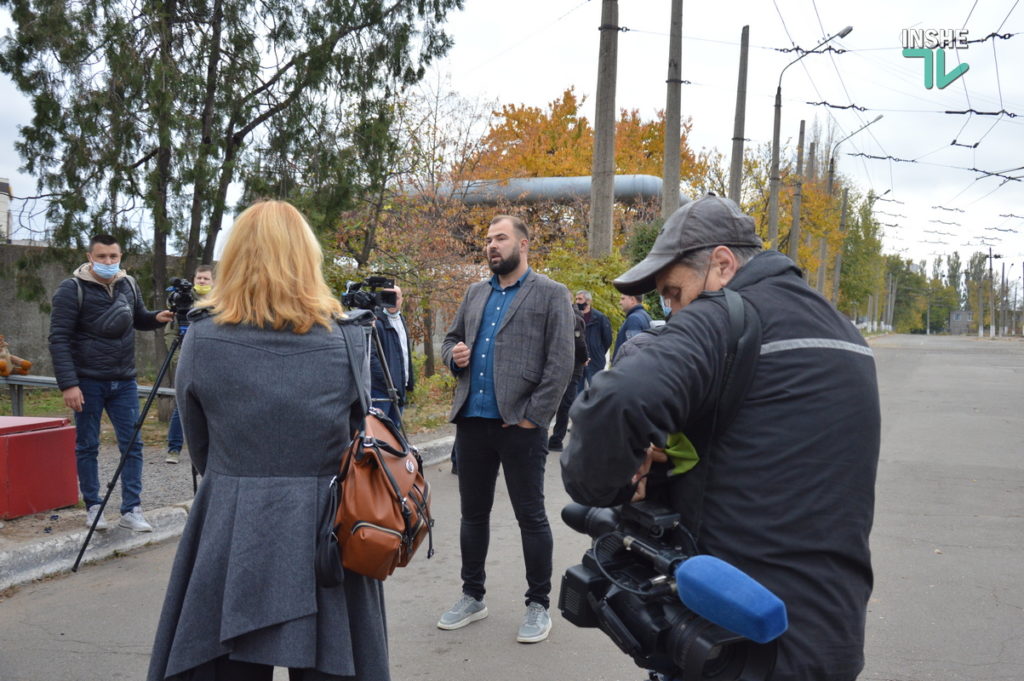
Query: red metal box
(37,465)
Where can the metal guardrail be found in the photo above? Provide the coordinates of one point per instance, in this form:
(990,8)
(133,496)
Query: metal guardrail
(17,385)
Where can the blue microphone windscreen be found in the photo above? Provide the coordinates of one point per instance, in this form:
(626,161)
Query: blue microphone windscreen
(730,598)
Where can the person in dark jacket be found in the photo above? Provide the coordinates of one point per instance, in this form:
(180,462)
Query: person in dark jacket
(599,337)
(637,320)
(268,399)
(580,359)
(394,341)
(785,491)
(92,344)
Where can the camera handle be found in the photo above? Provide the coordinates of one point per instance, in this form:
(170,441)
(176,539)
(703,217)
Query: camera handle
(124,452)
(388,380)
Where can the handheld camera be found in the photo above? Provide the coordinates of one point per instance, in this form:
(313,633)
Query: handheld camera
(366,295)
(686,618)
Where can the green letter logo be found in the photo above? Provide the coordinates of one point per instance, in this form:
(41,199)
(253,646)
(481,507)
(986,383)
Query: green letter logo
(938,68)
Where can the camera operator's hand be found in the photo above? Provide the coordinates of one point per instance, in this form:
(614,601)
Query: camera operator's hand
(640,479)
(73,398)
(164,316)
(460,355)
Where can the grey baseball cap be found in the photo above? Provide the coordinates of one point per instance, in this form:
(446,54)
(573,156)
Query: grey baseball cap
(709,221)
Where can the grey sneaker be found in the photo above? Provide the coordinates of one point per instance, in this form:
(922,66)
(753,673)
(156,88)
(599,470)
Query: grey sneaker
(134,520)
(467,609)
(536,625)
(173,456)
(90,516)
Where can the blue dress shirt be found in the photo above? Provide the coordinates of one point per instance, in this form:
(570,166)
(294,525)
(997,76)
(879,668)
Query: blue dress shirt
(482,402)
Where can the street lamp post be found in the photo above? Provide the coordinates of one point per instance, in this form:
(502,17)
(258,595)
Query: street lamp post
(773,191)
(823,252)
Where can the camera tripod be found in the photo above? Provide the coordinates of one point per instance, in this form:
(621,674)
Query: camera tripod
(182,328)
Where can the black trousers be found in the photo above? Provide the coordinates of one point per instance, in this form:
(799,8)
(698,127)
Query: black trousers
(484,445)
(562,415)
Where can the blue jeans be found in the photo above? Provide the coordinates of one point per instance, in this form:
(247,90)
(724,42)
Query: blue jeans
(521,453)
(121,400)
(175,437)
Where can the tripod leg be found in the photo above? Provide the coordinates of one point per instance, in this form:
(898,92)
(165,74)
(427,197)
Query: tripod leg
(388,380)
(124,450)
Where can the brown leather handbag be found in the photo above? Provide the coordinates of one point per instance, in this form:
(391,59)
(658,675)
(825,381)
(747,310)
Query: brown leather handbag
(379,507)
(384,501)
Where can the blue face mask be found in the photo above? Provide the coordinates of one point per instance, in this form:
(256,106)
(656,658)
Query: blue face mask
(665,307)
(106,271)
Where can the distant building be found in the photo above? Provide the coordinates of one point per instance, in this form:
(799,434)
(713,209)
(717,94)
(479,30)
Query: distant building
(960,321)
(6,226)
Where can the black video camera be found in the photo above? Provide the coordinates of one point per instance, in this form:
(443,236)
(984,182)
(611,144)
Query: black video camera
(180,297)
(365,295)
(673,614)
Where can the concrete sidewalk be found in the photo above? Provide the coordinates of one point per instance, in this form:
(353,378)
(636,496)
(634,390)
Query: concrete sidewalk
(53,549)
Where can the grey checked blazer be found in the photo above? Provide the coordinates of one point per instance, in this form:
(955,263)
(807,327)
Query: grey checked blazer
(533,349)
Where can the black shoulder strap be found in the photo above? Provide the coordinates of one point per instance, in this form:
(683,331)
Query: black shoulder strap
(743,347)
(741,359)
(131,281)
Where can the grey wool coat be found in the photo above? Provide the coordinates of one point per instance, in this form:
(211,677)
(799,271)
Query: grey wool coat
(533,349)
(266,416)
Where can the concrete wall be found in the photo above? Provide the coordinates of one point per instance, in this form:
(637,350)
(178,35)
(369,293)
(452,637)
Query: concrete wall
(27,328)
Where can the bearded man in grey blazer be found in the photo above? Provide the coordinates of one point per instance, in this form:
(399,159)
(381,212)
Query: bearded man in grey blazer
(511,347)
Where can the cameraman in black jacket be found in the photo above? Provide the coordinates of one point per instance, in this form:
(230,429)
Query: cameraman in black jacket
(785,491)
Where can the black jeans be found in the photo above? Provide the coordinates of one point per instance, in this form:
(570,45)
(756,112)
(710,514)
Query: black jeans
(483,446)
(562,415)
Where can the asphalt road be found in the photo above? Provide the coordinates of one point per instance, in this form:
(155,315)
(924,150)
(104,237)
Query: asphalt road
(948,551)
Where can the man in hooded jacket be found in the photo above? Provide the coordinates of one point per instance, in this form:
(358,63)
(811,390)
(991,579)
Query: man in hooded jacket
(92,343)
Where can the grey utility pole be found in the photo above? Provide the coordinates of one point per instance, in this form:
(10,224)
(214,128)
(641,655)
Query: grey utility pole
(839,252)
(673,95)
(794,231)
(991,296)
(603,172)
(736,166)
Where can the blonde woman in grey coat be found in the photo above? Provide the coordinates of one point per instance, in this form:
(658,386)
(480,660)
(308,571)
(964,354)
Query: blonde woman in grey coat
(267,398)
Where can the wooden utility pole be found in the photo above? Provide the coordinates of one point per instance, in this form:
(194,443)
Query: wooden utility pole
(794,231)
(736,167)
(673,105)
(602,183)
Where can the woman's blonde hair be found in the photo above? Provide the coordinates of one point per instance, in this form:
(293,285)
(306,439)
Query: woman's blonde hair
(270,272)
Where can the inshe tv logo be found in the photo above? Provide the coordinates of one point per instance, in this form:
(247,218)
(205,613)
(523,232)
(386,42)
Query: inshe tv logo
(930,44)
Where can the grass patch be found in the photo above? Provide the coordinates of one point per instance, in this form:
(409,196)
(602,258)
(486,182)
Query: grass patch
(430,402)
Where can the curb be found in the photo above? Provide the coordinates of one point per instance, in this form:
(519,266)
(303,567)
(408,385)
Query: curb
(29,561)
(35,560)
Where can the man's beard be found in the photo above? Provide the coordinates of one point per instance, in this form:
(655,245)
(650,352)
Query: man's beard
(504,265)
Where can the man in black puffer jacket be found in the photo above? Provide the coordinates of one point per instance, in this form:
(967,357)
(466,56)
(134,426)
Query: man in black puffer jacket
(785,489)
(92,343)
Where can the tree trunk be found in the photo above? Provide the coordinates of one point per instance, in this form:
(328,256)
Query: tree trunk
(428,339)
(202,182)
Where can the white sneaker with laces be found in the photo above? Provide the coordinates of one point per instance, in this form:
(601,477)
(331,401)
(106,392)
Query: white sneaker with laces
(134,520)
(536,625)
(90,516)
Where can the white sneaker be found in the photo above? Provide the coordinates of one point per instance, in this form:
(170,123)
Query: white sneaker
(134,520)
(90,516)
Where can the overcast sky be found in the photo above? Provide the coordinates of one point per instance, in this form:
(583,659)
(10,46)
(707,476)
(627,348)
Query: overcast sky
(529,51)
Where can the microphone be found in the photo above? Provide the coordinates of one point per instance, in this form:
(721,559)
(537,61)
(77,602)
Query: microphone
(730,598)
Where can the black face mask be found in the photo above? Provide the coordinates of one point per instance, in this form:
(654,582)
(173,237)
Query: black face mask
(582,307)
